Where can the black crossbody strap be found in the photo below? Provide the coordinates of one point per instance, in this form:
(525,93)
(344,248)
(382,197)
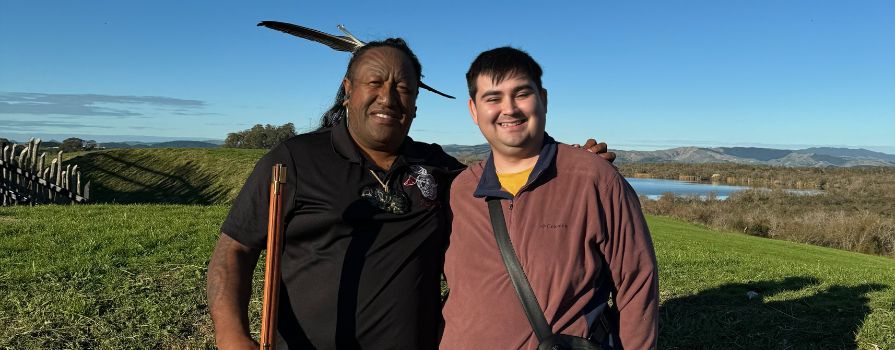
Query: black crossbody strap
(517,275)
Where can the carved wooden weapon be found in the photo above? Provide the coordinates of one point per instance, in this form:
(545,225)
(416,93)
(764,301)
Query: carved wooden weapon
(272,262)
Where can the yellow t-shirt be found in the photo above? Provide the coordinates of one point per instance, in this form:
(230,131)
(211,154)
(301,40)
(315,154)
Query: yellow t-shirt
(512,182)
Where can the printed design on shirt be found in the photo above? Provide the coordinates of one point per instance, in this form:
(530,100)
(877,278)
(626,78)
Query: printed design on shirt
(425,181)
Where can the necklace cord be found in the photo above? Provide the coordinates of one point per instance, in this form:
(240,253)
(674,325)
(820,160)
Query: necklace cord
(384,186)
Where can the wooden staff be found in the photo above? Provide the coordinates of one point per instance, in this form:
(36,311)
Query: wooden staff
(272,265)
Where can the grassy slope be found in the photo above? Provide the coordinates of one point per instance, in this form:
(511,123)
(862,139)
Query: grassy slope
(809,297)
(167,175)
(133,276)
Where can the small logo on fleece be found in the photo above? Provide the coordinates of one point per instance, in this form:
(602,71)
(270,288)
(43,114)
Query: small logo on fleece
(553,226)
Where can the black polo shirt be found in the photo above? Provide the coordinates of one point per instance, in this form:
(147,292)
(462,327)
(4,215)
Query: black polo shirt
(355,275)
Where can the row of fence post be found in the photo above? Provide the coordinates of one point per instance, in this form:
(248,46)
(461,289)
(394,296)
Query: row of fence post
(25,177)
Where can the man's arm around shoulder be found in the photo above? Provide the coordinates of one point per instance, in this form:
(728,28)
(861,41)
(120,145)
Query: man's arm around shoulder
(229,289)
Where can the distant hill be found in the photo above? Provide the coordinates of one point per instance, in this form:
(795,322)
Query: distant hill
(762,154)
(851,152)
(168,144)
(184,144)
(468,154)
(111,145)
(808,157)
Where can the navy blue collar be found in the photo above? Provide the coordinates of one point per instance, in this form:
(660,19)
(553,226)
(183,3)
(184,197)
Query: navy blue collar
(489,185)
(344,145)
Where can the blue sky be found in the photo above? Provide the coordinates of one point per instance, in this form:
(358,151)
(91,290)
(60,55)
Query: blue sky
(637,74)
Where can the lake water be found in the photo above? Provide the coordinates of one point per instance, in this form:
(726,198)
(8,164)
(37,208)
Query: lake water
(654,188)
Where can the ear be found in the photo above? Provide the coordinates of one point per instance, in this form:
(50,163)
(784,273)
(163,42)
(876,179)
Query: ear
(473,112)
(346,84)
(544,98)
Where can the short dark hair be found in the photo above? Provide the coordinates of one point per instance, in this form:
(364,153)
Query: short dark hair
(500,63)
(337,111)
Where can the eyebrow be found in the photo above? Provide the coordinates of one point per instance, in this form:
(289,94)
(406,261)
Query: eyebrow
(491,93)
(379,73)
(529,86)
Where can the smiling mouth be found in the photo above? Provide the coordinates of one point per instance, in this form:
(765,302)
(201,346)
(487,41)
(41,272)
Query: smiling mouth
(386,116)
(512,123)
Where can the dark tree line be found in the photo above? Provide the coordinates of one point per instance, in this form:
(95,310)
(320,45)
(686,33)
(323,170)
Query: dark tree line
(260,136)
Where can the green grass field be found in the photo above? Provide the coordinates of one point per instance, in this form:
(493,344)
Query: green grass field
(133,277)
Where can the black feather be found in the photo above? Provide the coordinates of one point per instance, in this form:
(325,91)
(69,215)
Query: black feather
(340,43)
(337,42)
(427,87)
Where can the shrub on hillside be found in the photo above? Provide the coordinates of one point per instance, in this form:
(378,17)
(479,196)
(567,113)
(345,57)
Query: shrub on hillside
(825,220)
(72,144)
(260,136)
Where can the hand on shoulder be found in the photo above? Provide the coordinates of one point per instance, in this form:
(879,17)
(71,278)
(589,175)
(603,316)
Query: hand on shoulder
(601,149)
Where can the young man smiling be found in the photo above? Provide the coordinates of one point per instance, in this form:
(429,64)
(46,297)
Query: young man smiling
(575,225)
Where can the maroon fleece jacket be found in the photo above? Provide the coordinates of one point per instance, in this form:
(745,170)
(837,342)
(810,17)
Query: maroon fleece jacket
(575,219)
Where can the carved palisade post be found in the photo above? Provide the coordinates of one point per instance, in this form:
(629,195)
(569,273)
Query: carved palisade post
(3,175)
(25,164)
(21,164)
(36,158)
(6,151)
(78,183)
(57,177)
(66,177)
(62,183)
(46,191)
(41,171)
(72,183)
(14,177)
(4,196)
(29,162)
(20,179)
(51,178)
(10,176)
(17,161)
(29,165)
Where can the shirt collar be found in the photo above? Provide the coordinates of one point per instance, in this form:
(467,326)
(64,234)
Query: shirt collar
(489,184)
(344,145)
